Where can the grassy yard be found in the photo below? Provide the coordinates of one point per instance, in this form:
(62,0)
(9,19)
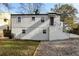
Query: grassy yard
(17,47)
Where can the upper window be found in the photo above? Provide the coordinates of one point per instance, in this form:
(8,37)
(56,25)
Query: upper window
(5,20)
(33,18)
(42,19)
(51,20)
(19,19)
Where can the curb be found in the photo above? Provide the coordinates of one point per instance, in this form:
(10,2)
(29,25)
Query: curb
(36,49)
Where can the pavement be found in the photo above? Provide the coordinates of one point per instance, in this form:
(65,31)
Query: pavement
(68,47)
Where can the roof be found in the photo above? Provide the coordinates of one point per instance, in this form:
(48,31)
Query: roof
(27,14)
(33,14)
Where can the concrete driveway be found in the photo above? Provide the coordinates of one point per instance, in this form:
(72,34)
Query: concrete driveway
(69,47)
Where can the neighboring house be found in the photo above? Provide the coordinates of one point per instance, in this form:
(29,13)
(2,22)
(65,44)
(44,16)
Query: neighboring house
(4,19)
(4,22)
(37,26)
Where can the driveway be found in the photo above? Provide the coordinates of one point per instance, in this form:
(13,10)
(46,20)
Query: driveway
(69,47)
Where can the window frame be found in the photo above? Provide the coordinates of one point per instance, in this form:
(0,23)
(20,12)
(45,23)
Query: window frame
(5,20)
(51,21)
(23,31)
(19,19)
(42,19)
(44,31)
(33,18)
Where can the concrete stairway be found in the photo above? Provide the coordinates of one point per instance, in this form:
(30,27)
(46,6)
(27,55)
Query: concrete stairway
(31,28)
(38,32)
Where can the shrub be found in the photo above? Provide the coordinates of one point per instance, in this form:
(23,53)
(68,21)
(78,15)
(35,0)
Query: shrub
(7,33)
(75,30)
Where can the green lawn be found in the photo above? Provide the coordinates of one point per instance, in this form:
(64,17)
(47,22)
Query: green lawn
(17,47)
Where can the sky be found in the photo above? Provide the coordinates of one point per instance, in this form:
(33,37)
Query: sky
(46,8)
(77,7)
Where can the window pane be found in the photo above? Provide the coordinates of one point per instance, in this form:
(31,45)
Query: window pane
(5,20)
(33,18)
(19,19)
(51,20)
(42,19)
(23,31)
(44,31)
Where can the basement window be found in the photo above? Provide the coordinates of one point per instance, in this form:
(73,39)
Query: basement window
(33,18)
(44,31)
(5,20)
(23,31)
(19,19)
(42,19)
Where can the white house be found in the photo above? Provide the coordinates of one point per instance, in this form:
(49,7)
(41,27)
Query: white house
(37,26)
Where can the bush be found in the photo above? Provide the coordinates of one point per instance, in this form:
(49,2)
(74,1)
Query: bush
(7,33)
(75,30)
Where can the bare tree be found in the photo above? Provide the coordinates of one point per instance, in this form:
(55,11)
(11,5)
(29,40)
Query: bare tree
(29,8)
(7,6)
(37,7)
(32,7)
